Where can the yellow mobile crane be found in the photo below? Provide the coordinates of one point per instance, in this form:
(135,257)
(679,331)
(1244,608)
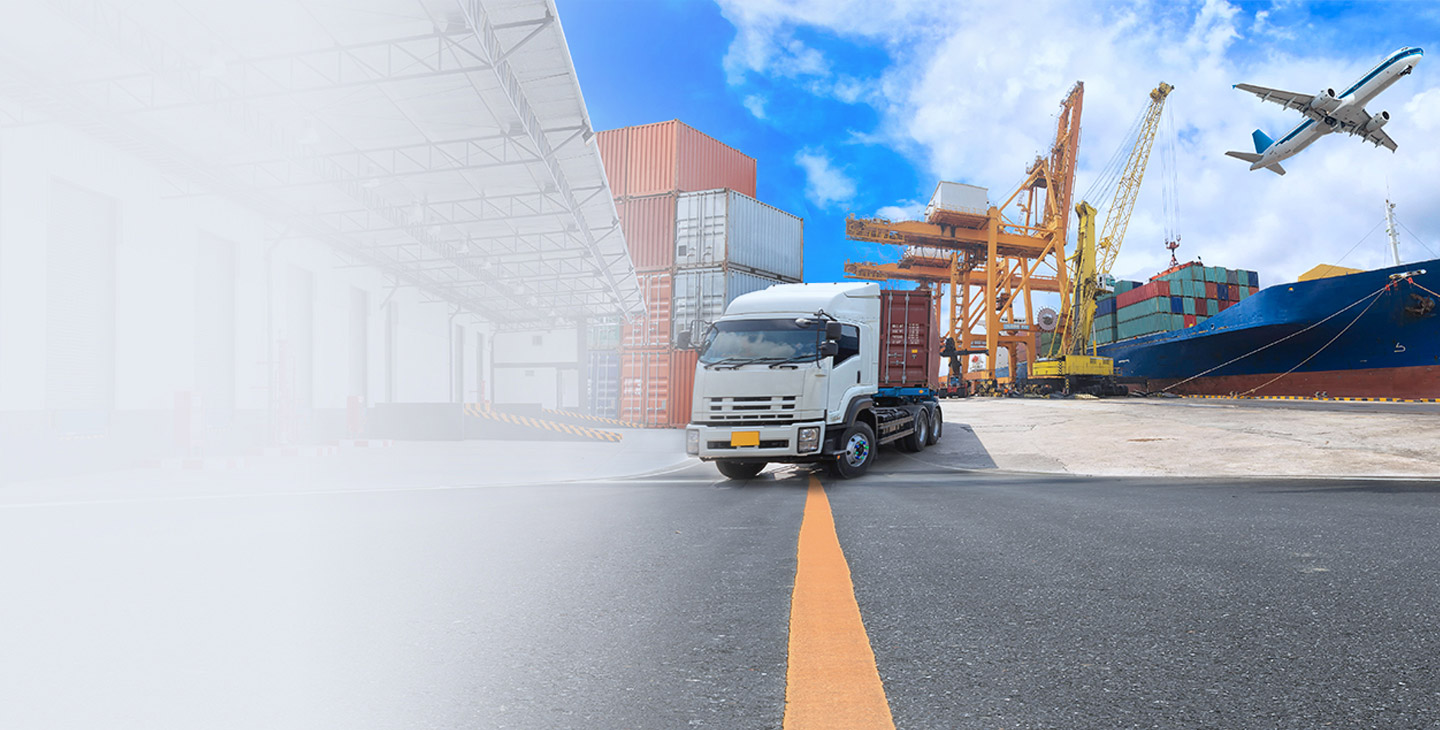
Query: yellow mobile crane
(1072,364)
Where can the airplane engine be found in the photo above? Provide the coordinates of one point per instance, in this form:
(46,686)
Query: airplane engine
(1325,101)
(1377,122)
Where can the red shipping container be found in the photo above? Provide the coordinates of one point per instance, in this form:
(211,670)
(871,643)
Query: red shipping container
(1211,291)
(1162,288)
(613,146)
(649,227)
(1189,320)
(657,387)
(909,341)
(652,330)
(645,387)
(1125,299)
(1254,289)
(1224,305)
(682,386)
(1139,294)
(673,157)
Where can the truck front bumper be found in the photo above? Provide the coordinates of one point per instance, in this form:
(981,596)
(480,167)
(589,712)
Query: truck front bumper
(771,443)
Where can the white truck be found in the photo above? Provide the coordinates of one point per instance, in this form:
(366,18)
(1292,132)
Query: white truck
(816,373)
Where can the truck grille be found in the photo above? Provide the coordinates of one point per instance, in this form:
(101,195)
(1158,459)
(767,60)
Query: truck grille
(750,409)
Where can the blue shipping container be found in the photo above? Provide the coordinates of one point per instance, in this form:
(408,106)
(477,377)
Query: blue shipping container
(1177,305)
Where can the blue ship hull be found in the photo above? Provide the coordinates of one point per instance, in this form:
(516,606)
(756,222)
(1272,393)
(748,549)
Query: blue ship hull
(1364,335)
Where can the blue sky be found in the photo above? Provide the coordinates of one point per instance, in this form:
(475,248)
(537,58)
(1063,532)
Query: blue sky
(851,106)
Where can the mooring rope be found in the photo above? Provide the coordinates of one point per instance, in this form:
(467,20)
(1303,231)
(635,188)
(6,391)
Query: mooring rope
(1373,297)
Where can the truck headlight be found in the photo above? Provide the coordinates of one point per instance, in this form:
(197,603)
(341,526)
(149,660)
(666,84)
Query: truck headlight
(692,442)
(809,439)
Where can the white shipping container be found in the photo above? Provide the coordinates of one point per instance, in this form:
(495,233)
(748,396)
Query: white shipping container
(723,227)
(701,296)
(959,198)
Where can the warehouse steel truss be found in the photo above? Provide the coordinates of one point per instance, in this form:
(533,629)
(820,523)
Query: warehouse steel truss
(445,144)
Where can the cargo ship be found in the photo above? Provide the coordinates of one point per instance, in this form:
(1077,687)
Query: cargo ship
(1368,334)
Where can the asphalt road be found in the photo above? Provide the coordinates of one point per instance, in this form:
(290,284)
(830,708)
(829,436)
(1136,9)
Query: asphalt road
(991,601)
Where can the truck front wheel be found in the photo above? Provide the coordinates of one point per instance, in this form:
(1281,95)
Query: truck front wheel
(857,446)
(739,469)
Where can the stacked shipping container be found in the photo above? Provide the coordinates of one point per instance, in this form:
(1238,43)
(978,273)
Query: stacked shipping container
(602,346)
(1181,297)
(698,239)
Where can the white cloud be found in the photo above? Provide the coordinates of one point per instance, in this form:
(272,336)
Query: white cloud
(971,95)
(825,184)
(756,104)
(905,210)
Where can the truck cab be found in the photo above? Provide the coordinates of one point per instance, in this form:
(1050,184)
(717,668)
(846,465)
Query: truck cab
(793,373)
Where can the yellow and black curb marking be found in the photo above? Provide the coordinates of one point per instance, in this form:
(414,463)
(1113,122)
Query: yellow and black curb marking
(479,411)
(594,419)
(1312,398)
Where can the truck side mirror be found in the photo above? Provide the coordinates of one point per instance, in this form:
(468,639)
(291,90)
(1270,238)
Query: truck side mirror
(829,349)
(682,340)
(833,330)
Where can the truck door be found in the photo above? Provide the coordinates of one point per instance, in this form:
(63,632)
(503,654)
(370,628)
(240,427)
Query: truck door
(845,374)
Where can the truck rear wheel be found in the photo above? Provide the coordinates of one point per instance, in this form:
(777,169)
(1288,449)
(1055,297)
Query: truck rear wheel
(857,445)
(937,424)
(919,436)
(740,469)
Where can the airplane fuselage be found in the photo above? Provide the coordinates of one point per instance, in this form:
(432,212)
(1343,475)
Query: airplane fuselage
(1350,108)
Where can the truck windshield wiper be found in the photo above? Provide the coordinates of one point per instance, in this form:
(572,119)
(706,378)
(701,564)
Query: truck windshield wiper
(735,362)
(725,362)
(791,362)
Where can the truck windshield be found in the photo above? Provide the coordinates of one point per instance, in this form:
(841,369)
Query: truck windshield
(761,340)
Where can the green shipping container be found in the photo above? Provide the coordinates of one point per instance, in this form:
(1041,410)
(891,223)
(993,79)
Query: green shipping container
(604,336)
(1212,307)
(1189,305)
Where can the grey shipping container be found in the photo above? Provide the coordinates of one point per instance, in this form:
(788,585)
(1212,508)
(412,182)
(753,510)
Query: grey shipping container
(723,227)
(603,386)
(701,296)
(958,198)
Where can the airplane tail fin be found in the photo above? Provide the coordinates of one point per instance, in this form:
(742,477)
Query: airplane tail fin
(1251,157)
(1262,140)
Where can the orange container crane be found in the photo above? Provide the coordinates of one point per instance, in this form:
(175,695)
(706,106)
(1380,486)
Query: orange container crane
(997,256)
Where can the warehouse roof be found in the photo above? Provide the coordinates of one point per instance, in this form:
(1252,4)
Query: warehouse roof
(445,143)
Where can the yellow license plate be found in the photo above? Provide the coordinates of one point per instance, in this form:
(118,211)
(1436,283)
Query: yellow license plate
(745,438)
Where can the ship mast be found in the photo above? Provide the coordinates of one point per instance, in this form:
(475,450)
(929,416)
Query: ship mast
(1390,229)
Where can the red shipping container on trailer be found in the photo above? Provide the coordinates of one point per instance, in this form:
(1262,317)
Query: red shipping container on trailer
(671,156)
(649,227)
(651,330)
(909,342)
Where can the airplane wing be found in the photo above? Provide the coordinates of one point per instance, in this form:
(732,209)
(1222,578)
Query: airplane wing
(1377,137)
(1287,99)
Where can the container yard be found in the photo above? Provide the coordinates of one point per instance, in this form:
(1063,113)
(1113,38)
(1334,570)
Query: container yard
(547,364)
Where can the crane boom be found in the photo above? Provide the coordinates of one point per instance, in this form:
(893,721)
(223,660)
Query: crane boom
(1090,266)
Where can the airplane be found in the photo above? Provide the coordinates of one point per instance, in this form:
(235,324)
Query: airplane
(1325,113)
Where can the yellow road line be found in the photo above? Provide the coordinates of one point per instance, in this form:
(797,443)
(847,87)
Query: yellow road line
(831,682)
